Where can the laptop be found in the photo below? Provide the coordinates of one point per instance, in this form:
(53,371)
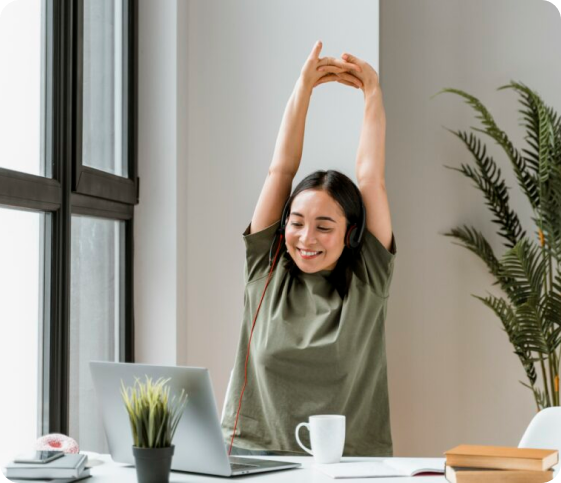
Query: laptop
(198,440)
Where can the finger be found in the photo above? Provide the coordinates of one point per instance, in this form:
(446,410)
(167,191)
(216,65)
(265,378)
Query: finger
(352,59)
(342,81)
(326,78)
(316,50)
(331,68)
(350,78)
(331,61)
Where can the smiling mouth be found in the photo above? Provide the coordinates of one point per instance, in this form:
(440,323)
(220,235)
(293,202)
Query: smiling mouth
(308,255)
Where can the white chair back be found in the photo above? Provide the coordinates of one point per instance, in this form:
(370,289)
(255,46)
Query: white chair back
(544,432)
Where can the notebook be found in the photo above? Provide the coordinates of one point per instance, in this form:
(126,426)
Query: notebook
(384,468)
(69,466)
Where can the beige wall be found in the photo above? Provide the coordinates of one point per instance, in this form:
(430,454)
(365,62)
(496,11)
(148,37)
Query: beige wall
(453,376)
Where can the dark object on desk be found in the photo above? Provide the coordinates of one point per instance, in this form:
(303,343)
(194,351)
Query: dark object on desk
(486,475)
(502,458)
(68,466)
(153,465)
(39,457)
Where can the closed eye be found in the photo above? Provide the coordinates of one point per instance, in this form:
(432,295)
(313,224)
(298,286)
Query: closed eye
(319,227)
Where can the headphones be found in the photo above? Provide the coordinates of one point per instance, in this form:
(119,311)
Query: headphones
(353,237)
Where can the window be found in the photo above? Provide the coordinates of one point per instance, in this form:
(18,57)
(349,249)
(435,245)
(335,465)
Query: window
(23,47)
(68,186)
(23,262)
(96,317)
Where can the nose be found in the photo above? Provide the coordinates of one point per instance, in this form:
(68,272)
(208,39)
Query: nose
(307,237)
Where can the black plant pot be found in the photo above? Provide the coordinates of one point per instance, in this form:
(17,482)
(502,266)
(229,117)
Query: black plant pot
(153,465)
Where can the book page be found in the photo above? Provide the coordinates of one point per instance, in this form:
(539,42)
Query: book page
(412,466)
(358,470)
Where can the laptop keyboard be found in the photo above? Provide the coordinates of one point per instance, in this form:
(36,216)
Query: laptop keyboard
(242,466)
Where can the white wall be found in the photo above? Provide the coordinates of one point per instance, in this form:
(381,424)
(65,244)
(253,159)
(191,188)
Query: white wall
(156,231)
(213,86)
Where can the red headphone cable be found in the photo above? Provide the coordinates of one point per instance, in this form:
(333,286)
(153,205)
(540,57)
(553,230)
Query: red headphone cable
(249,343)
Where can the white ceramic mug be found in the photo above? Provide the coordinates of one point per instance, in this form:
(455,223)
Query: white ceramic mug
(327,436)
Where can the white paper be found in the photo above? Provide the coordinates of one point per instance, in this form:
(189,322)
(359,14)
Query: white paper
(417,465)
(387,467)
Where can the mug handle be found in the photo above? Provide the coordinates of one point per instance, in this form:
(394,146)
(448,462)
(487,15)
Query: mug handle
(307,450)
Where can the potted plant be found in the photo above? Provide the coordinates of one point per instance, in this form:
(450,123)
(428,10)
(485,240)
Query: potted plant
(529,271)
(154,419)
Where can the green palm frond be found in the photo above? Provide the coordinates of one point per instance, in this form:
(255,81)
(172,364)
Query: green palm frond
(530,333)
(474,241)
(539,395)
(543,127)
(550,307)
(528,272)
(527,180)
(507,316)
(530,116)
(524,268)
(489,181)
(549,218)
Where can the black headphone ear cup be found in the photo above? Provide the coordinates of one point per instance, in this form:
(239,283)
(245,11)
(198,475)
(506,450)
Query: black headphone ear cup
(354,234)
(351,237)
(284,216)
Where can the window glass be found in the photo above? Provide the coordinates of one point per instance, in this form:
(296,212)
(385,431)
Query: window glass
(96,318)
(21,306)
(103,95)
(24,144)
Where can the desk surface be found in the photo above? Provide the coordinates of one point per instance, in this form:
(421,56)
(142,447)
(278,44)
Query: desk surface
(109,471)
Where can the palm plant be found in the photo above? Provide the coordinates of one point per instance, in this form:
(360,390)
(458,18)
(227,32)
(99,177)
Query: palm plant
(528,272)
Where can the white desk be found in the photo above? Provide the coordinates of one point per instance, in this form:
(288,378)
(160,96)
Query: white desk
(110,472)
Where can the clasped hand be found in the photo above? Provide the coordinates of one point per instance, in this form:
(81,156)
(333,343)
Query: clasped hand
(348,70)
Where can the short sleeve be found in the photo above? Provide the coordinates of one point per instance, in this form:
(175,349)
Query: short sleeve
(258,246)
(378,263)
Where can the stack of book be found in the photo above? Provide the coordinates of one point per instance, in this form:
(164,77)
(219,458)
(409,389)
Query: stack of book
(497,464)
(69,468)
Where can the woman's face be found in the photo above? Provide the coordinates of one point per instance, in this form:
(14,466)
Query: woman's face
(316,224)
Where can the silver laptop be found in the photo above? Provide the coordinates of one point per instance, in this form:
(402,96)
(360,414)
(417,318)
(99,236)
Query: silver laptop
(199,444)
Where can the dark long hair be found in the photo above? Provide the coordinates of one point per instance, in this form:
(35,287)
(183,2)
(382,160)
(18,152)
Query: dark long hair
(347,195)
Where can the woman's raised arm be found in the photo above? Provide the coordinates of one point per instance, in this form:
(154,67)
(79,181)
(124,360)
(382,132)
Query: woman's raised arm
(370,159)
(290,140)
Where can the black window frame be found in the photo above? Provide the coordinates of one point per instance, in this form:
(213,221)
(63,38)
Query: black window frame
(74,190)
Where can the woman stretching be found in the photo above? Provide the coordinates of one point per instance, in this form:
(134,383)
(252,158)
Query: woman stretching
(325,255)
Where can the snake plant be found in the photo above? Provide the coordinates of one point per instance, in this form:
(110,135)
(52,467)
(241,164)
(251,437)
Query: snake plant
(153,417)
(528,271)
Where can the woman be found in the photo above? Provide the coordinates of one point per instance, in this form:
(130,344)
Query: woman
(318,345)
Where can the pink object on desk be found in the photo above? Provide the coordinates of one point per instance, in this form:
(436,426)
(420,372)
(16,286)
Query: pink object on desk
(57,442)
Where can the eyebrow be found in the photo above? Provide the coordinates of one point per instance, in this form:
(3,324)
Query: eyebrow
(318,218)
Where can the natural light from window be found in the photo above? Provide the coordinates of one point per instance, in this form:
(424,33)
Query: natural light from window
(22,96)
(22,63)
(20,312)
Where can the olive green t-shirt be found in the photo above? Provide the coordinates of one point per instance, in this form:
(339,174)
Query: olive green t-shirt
(312,352)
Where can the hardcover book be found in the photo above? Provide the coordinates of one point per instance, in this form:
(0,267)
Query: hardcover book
(501,457)
(486,475)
